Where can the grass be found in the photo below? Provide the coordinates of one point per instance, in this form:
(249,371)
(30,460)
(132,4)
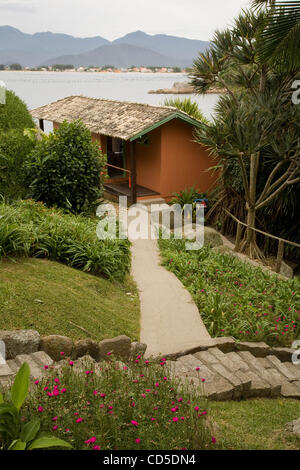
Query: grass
(234,298)
(256,424)
(47,296)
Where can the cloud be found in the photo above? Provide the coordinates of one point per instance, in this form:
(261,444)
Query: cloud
(24,6)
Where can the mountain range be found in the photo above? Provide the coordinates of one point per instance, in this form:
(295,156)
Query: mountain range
(137,48)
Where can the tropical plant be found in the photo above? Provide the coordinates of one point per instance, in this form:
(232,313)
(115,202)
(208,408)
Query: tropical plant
(186,105)
(14,433)
(64,169)
(256,127)
(279,41)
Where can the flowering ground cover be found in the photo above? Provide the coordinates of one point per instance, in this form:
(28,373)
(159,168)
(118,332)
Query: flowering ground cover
(236,298)
(120,407)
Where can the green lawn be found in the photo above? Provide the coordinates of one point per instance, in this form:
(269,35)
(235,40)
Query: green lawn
(51,297)
(256,424)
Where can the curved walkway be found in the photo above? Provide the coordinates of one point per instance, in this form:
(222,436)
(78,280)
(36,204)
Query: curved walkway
(170,321)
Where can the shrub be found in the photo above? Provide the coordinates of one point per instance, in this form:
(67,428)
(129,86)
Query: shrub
(64,169)
(115,407)
(14,113)
(14,148)
(235,298)
(30,229)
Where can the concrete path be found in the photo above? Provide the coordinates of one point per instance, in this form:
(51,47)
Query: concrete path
(170,321)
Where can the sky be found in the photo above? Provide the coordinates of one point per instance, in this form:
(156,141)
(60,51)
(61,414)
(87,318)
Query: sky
(195,19)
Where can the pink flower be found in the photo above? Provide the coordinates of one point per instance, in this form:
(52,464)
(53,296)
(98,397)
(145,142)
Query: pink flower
(179,400)
(96,448)
(45,389)
(102,395)
(132,404)
(62,353)
(56,381)
(175,419)
(134,423)
(67,430)
(182,418)
(213,440)
(196,408)
(40,409)
(165,378)
(71,363)
(147,363)
(138,441)
(36,382)
(79,420)
(54,428)
(197,368)
(91,440)
(202,380)
(76,414)
(153,419)
(46,367)
(109,353)
(139,356)
(63,390)
(55,418)
(157,385)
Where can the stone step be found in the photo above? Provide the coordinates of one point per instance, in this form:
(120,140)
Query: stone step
(215,386)
(291,390)
(291,376)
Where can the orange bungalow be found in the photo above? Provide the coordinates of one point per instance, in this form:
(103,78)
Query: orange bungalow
(151,152)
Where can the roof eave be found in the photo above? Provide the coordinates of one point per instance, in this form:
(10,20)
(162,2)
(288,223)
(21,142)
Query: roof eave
(176,115)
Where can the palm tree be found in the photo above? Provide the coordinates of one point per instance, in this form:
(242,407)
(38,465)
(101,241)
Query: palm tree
(187,106)
(279,41)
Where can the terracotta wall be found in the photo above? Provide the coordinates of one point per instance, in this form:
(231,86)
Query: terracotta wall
(183,161)
(148,161)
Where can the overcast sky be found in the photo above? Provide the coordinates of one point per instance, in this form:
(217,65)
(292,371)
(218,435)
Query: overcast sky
(196,19)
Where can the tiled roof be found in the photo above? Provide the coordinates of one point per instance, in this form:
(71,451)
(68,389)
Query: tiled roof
(107,117)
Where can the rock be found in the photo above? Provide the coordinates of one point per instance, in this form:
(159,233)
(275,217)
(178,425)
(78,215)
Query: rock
(225,250)
(286,270)
(85,347)
(137,349)
(283,354)
(260,349)
(294,427)
(212,237)
(226,344)
(53,345)
(20,342)
(119,346)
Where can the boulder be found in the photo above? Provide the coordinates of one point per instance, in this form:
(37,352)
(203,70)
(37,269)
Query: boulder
(53,345)
(294,427)
(286,270)
(212,237)
(137,349)
(85,347)
(119,346)
(20,342)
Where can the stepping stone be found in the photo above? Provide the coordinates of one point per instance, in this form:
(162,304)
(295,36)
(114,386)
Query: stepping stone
(282,368)
(259,388)
(224,359)
(215,386)
(264,374)
(263,361)
(294,369)
(291,390)
(206,357)
(260,349)
(238,362)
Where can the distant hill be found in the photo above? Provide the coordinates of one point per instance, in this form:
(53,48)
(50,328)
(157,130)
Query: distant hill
(136,48)
(35,49)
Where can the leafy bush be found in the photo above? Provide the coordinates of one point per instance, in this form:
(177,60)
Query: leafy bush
(110,406)
(15,434)
(30,229)
(14,148)
(235,298)
(14,113)
(64,169)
